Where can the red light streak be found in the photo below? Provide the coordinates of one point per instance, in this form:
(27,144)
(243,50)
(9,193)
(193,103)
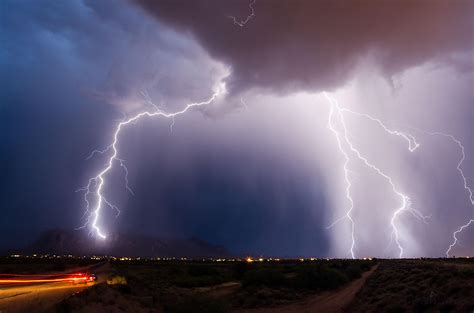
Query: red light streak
(23,278)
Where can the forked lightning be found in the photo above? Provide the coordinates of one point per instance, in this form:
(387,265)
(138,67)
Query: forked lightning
(405,202)
(95,186)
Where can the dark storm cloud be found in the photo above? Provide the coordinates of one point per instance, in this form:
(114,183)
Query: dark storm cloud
(55,57)
(315,45)
(62,64)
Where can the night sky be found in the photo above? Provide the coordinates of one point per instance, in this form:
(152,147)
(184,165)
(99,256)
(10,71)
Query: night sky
(257,171)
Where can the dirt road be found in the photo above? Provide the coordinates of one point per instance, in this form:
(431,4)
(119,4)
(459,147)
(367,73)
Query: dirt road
(40,297)
(326,302)
(35,298)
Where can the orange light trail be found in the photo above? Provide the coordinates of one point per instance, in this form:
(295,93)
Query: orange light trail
(38,275)
(15,280)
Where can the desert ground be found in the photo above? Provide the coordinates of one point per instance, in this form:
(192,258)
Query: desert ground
(246,286)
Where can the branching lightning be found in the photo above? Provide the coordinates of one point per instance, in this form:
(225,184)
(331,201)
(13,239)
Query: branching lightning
(95,185)
(95,199)
(348,215)
(464,179)
(405,202)
(242,23)
(456,233)
(412,143)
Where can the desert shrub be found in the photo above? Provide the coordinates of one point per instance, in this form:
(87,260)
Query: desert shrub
(197,281)
(117,280)
(466,273)
(250,301)
(59,266)
(68,306)
(467,307)
(440,279)
(422,304)
(100,289)
(454,290)
(320,277)
(64,307)
(365,266)
(202,270)
(353,271)
(239,269)
(197,304)
(395,308)
(447,307)
(125,289)
(264,277)
(174,270)
(261,296)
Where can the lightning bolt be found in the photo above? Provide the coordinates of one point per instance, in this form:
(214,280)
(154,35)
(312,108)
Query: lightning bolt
(249,17)
(405,202)
(95,185)
(457,232)
(347,180)
(412,143)
(464,179)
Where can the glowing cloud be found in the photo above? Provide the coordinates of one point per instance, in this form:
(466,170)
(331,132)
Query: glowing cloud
(405,202)
(95,186)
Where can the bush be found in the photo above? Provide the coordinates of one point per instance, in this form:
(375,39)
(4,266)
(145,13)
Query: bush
(117,280)
(239,270)
(320,277)
(197,304)
(59,266)
(365,266)
(466,273)
(63,307)
(422,304)
(396,308)
(125,289)
(264,277)
(202,270)
(353,271)
(199,281)
(447,307)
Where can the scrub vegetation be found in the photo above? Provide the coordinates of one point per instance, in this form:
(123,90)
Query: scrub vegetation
(398,286)
(209,286)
